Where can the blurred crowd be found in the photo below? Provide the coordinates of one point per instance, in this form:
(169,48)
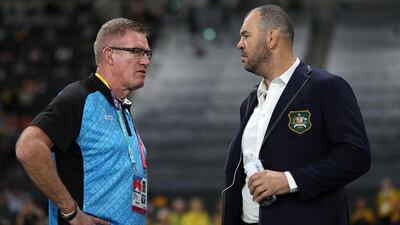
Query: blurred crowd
(19,207)
(386,210)
(183,212)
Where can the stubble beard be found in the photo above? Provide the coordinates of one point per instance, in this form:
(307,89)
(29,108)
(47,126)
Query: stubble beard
(262,56)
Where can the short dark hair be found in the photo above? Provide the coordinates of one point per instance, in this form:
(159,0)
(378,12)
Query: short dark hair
(115,27)
(273,16)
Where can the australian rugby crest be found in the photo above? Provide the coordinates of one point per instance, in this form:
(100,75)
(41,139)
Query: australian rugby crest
(299,121)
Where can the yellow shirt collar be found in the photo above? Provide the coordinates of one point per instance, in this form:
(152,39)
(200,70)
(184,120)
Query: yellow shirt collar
(98,75)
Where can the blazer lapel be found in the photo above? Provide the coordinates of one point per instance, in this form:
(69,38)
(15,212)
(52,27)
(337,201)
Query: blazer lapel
(249,111)
(291,88)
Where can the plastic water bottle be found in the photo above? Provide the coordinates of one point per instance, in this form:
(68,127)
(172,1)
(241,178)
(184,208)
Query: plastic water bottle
(252,166)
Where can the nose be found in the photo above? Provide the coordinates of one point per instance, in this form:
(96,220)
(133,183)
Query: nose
(240,44)
(144,60)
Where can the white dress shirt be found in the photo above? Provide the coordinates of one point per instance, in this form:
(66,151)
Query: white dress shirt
(254,133)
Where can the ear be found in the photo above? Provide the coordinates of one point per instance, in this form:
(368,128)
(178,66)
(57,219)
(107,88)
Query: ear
(108,58)
(272,38)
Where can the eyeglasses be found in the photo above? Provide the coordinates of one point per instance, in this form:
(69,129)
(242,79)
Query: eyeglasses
(137,52)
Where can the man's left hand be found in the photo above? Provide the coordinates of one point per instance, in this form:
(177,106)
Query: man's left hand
(267,183)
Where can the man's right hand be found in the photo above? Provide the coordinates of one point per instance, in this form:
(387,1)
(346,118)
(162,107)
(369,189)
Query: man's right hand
(82,218)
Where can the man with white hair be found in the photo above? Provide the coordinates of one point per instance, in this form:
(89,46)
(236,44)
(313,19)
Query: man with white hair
(88,131)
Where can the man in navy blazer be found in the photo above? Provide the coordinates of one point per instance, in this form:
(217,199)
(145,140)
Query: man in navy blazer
(305,126)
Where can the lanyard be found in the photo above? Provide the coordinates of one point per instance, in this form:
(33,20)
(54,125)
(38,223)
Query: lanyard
(144,162)
(118,107)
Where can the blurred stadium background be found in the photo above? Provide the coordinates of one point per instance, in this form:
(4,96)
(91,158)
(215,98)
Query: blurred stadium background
(188,110)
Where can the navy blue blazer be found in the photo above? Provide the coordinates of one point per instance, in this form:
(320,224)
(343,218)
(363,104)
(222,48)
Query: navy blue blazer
(324,149)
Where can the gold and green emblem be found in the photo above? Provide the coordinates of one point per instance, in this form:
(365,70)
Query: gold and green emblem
(299,121)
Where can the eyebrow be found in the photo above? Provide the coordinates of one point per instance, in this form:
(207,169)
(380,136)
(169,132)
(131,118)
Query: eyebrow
(245,32)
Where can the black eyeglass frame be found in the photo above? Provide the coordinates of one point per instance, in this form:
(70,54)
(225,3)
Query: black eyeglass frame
(138,52)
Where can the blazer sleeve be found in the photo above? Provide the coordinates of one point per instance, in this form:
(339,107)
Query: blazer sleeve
(348,156)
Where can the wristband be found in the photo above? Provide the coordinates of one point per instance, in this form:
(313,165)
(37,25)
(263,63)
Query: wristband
(69,216)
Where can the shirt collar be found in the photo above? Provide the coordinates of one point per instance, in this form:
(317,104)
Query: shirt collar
(125,103)
(284,78)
